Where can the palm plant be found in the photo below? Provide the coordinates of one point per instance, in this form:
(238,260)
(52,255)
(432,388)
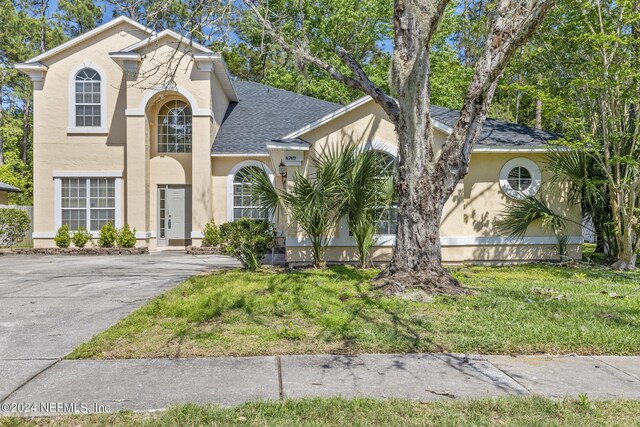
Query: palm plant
(369,186)
(587,186)
(346,181)
(313,203)
(518,215)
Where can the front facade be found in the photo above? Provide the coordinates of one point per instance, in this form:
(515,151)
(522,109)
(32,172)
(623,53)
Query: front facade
(148,129)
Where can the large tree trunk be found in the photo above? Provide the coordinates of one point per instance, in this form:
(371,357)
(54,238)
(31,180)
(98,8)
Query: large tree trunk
(626,233)
(426,178)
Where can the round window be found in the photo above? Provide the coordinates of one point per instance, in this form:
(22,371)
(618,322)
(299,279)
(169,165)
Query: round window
(520,178)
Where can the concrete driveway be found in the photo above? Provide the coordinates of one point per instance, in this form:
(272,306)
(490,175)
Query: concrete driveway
(50,304)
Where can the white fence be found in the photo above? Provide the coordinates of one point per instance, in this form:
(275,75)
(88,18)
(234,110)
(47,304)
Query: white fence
(27,242)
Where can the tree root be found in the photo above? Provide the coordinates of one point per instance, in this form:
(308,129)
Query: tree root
(433,282)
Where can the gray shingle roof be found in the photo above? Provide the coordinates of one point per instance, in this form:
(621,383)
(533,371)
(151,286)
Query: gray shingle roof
(498,132)
(264,114)
(9,188)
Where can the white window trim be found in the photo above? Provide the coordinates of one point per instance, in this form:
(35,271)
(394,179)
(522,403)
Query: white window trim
(536,178)
(231,176)
(57,185)
(72,128)
(453,241)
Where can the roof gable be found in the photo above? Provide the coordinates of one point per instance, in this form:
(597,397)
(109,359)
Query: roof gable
(162,35)
(495,134)
(89,34)
(262,116)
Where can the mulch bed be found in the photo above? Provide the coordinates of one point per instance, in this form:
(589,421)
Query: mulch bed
(74,251)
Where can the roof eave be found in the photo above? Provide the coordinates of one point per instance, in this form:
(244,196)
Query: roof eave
(88,35)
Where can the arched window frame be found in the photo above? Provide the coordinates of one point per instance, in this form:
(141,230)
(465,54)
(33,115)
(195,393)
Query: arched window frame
(171,105)
(72,127)
(344,238)
(231,178)
(536,178)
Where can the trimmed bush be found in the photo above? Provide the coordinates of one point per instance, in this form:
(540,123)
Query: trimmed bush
(248,240)
(108,236)
(63,237)
(125,237)
(211,234)
(81,237)
(14,225)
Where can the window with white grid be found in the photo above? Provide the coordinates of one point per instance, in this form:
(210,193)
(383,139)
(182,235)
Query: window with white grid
(88,202)
(243,206)
(387,218)
(87,97)
(174,128)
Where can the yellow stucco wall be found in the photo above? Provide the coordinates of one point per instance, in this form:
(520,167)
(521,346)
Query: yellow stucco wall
(470,213)
(129,144)
(130,147)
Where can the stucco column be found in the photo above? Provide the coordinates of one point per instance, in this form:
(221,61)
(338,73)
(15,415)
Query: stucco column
(201,176)
(136,178)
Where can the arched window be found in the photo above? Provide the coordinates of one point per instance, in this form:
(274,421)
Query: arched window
(88,100)
(243,206)
(174,128)
(387,217)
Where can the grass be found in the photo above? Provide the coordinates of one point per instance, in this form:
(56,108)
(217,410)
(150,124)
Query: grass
(512,411)
(515,310)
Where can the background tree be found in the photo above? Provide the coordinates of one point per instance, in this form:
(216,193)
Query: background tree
(591,55)
(78,16)
(426,178)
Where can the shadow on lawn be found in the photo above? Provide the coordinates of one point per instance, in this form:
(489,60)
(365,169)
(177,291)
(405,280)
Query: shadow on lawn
(352,314)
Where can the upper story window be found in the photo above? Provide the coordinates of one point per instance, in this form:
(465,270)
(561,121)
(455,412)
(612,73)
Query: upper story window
(174,128)
(88,100)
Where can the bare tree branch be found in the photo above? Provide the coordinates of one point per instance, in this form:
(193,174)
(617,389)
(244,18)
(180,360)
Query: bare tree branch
(359,81)
(512,25)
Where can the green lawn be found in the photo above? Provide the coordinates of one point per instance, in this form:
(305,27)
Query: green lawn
(532,411)
(517,309)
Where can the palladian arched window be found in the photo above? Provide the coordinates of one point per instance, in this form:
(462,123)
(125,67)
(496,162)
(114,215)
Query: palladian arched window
(174,128)
(88,98)
(243,206)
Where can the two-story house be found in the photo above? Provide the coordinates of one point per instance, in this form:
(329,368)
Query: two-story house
(145,128)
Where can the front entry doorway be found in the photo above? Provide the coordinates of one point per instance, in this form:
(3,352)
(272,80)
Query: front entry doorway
(174,215)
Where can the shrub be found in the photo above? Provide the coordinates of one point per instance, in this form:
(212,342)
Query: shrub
(108,236)
(211,234)
(14,225)
(248,240)
(125,237)
(80,237)
(63,237)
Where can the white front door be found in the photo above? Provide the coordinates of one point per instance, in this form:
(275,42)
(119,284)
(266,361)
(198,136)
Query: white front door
(174,215)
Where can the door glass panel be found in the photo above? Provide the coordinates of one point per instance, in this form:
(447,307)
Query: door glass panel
(162,225)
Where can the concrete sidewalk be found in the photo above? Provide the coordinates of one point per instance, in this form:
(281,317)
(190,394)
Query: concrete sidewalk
(149,384)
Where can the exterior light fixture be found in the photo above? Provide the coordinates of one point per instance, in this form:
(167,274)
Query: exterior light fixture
(282,169)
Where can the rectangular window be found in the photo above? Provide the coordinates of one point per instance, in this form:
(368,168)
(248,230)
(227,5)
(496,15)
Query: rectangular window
(88,108)
(88,202)
(387,220)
